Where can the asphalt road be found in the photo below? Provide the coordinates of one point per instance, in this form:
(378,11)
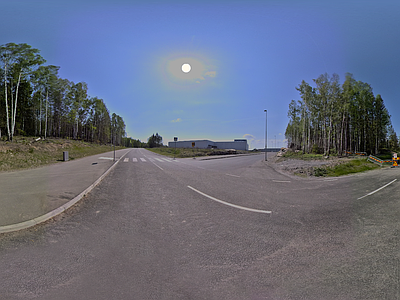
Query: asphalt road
(215,229)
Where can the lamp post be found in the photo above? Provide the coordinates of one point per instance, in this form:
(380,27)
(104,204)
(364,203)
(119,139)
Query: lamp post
(266,143)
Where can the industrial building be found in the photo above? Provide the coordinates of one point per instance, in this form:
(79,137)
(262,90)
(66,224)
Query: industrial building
(239,144)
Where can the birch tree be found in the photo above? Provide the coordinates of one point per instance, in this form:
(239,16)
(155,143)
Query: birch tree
(19,59)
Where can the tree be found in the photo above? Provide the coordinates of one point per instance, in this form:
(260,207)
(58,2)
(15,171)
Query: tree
(154,141)
(338,118)
(38,102)
(118,128)
(18,62)
(44,78)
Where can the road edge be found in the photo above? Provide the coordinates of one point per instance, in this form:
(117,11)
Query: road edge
(61,209)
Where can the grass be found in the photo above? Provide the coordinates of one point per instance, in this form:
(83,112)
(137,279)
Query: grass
(353,166)
(188,152)
(23,153)
(300,155)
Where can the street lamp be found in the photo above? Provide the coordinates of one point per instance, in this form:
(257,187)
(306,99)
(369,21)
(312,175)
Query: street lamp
(266,143)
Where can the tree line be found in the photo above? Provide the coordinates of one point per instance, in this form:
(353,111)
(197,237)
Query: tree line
(335,119)
(155,140)
(35,101)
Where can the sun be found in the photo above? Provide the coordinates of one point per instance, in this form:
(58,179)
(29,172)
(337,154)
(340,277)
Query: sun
(186,68)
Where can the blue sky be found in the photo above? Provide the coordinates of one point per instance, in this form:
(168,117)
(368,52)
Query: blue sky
(246,56)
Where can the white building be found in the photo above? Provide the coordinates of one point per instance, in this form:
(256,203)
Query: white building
(239,144)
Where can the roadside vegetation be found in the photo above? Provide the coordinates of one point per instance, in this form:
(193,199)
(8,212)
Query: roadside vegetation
(26,153)
(35,101)
(189,152)
(331,166)
(332,118)
(346,168)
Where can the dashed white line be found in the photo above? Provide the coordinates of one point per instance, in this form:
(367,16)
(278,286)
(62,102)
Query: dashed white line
(283,181)
(134,159)
(126,159)
(230,204)
(376,190)
(142,159)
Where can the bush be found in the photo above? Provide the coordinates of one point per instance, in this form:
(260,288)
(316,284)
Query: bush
(320,172)
(316,149)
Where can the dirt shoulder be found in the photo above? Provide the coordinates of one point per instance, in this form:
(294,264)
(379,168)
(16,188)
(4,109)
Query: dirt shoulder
(305,168)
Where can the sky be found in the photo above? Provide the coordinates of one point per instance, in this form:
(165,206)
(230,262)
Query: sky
(245,57)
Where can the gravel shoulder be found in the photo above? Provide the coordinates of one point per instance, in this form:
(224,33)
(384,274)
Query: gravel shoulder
(304,168)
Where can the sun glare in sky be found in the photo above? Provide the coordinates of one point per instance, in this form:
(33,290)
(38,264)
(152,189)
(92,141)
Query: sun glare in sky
(186,68)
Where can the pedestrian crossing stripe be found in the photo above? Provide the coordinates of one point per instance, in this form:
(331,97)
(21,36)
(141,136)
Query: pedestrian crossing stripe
(134,159)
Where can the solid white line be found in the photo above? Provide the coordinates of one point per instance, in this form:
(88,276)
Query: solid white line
(281,181)
(232,175)
(230,204)
(157,166)
(376,190)
(106,158)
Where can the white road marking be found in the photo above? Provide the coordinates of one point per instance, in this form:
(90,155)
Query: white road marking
(158,159)
(286,181)
(134,159)
(232,175)
(376,190)
(167,160)
(142,159)
(230,204)
(111,158)
(158,166)
(126,159)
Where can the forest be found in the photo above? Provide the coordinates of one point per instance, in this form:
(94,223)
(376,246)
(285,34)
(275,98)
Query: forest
(35,101)
(337,119)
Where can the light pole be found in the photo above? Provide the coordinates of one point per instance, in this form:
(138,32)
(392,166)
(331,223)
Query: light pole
(266,143)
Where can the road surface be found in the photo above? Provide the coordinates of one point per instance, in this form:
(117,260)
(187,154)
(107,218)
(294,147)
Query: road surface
(232,228)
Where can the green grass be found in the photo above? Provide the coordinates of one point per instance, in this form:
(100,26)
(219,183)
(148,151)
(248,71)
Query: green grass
(188,152)
(21,154)
(180,152)
(385,156)
(300,155)
(353,166)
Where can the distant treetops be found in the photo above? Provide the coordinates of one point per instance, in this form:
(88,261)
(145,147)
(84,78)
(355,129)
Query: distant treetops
(333,118)
(35,101)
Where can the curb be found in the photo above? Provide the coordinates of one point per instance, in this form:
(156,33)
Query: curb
(221,157)
(61,209)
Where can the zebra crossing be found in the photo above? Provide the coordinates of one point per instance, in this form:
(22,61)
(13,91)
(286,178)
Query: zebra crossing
(155,159)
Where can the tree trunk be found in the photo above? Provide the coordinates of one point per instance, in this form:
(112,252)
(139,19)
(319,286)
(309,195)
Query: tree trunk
(5,89)
(14,114)
(45,124)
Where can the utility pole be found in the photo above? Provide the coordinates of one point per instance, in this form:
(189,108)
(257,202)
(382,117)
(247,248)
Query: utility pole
(114,144)
(266,141)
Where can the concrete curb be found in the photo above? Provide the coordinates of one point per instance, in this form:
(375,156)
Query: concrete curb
(61,209)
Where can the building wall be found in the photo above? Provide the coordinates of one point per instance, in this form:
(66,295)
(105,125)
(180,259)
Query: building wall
(204,144)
